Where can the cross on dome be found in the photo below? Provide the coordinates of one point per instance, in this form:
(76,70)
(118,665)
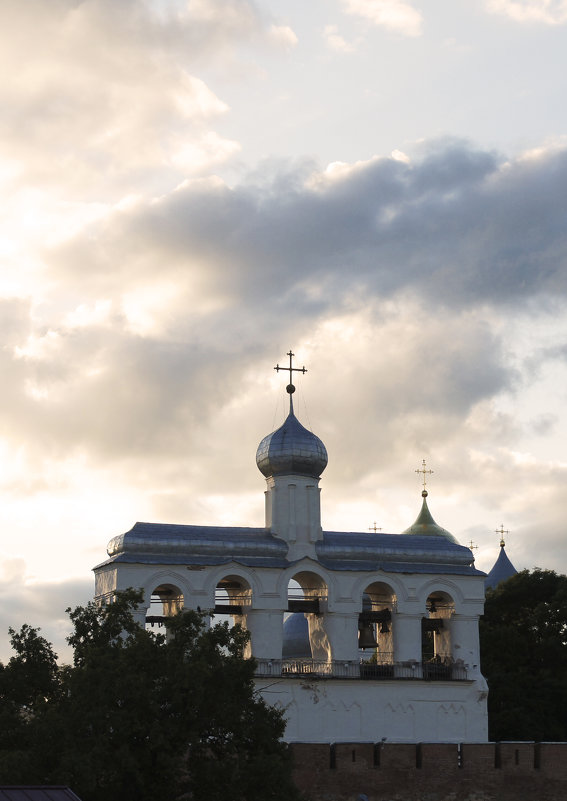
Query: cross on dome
(292,449)
(423,470)
(502,531)
(290,388)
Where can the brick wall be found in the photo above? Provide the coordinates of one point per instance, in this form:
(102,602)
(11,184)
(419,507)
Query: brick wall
(432,771)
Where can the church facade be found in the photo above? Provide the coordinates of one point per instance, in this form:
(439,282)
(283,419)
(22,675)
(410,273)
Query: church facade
(390,647)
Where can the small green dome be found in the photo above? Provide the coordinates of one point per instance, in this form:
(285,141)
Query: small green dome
(425,525)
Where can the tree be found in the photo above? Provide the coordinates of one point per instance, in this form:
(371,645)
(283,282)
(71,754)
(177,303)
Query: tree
(524,656)
(141,716)
(28,684)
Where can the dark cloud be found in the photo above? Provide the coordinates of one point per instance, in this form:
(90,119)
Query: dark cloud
(458,227)
(247,270)
(378,272)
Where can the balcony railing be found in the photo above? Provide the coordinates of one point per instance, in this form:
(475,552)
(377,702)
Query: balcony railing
(384,669)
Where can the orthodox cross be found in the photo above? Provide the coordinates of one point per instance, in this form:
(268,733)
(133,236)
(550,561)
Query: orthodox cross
(472,546)
(424,471)
(502,531)
(290,388)
(374,528)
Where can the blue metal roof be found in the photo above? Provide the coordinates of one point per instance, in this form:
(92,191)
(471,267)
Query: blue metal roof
(503,569)
(202,546)
(395,547)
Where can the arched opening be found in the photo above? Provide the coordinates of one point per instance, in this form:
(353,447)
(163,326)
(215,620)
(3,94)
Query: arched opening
(436,654)
(233,600)
(233,596)
(307,593)
(375,630)
(305,639)
(166,600)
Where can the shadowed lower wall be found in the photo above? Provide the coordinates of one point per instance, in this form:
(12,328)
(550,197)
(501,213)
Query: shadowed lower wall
(511,771)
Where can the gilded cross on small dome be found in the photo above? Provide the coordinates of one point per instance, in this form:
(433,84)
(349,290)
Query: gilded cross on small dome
(375,528)
(502,531)
(290,388)
(423,470)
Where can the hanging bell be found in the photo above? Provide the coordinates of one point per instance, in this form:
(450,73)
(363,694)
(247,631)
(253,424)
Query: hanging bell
(366,638)
(384,628)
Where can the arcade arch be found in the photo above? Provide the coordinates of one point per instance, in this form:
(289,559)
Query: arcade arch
(436,647)
(375,630)
(233,596)
(233,599)
(166,600)
(308,593)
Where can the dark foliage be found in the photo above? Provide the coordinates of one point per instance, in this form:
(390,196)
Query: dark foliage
(524,657)
(141,716)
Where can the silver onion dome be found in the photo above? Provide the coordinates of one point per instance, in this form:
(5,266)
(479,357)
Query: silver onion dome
(291,450)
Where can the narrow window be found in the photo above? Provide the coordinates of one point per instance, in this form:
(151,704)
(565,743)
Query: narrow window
(377,749)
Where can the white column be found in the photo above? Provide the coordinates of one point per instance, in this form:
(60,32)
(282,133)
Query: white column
(266,632)
(318,637)
(465,641)
(342,631)
(406,631)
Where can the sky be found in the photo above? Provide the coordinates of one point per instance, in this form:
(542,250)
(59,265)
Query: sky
(192,189)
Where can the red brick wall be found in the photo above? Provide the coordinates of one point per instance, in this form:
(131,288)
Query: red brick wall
(432,771)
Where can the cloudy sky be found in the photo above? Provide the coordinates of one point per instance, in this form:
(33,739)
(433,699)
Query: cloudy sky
(193,187)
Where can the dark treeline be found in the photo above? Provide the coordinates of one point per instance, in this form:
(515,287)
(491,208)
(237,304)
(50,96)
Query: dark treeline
(523,646)
(140,716)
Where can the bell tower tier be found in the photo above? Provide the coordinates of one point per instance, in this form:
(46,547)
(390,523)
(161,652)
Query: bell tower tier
(292,459)
(385,626)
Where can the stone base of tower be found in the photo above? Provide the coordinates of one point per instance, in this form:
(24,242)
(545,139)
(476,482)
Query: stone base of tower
(330,710)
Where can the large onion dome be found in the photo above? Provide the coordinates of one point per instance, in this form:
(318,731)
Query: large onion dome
(425,525)
(291,450)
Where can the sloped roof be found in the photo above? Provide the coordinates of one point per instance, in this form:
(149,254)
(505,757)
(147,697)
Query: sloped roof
(503,569)
(170,544)
(36,793)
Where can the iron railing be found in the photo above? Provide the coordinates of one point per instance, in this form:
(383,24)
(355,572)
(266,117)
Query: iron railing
(383,669)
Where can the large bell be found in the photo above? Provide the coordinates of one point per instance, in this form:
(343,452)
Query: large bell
(366,638)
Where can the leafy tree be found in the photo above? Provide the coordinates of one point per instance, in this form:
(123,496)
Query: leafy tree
(141,716)
(524,656)
(28,684)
